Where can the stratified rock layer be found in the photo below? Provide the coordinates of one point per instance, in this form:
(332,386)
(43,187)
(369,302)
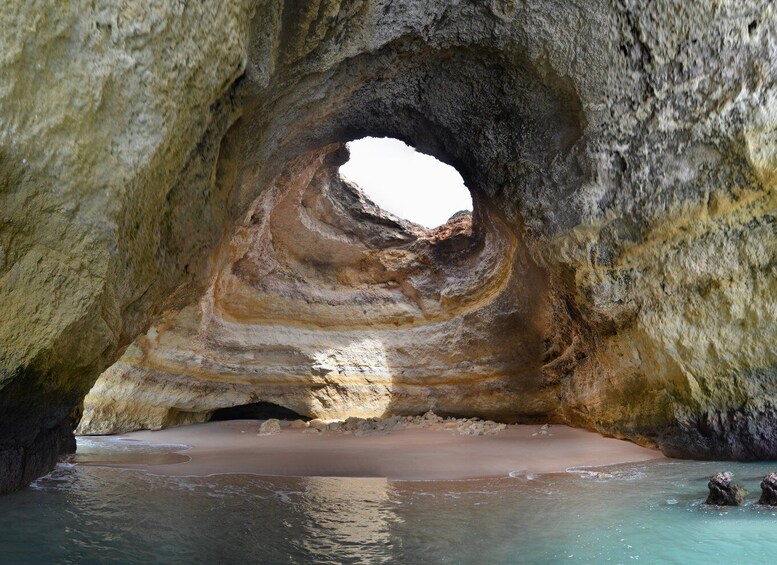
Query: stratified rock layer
(332,308)
(621,156)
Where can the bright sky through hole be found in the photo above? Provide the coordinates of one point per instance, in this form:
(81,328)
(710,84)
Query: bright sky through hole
(407,183)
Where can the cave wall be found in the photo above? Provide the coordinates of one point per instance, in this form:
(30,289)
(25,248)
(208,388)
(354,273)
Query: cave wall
(628,146)
(109,113)
(331,307)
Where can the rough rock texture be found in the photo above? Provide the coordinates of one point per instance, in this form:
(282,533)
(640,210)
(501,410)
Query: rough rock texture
(379,426)
(428,421)
(769,490)
(622,153)
(270,427)
(723,492)
(111,114)
(332,308)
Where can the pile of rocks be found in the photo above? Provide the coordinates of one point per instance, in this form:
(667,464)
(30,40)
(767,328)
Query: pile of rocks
(543,431)
(365,426)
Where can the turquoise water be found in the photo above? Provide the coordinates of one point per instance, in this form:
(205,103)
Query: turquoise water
(648,512)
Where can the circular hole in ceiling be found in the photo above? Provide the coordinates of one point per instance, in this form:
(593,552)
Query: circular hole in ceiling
(411,185)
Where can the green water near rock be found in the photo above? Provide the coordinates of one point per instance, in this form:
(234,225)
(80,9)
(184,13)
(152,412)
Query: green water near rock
(649,512)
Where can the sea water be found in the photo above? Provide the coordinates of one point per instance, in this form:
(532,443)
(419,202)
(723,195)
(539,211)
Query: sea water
(649,512)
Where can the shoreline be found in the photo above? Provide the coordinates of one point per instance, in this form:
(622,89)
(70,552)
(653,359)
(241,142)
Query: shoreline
(424,454)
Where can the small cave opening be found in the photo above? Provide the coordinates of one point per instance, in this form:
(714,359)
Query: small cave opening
(255,411)
(409,184)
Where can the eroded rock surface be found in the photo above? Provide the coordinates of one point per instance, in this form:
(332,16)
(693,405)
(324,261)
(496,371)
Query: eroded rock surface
(270,427)
(180,159)
(769,490)
(723,492)
(378,426)
(332,308)
(111,115)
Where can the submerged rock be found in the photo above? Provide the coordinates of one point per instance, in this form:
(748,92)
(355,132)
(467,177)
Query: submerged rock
(723,492)
(769,490)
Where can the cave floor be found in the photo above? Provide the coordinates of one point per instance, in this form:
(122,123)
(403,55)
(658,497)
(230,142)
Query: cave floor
(233,447)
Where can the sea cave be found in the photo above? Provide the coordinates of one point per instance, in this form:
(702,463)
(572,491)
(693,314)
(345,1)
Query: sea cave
(183,248)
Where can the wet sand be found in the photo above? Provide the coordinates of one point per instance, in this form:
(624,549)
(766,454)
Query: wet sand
(233,447)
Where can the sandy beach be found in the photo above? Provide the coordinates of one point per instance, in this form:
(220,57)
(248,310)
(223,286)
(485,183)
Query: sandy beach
(234,447)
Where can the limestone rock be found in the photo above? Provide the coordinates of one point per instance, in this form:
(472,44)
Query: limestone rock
(385,294)
(371,426)
(723,492)
(269,427)
(608,242)
(317,424)
(617,273)
(111,115)
(298,425)
(769,490)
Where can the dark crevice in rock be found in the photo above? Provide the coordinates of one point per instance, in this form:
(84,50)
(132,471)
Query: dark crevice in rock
(255,411)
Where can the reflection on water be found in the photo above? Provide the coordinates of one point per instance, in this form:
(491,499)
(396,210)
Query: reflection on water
(109,450)
(649,512)
(350,514)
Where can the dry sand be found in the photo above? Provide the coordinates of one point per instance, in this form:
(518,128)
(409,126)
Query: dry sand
(417,454)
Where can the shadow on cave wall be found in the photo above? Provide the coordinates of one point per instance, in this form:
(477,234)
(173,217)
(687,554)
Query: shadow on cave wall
(255,411)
